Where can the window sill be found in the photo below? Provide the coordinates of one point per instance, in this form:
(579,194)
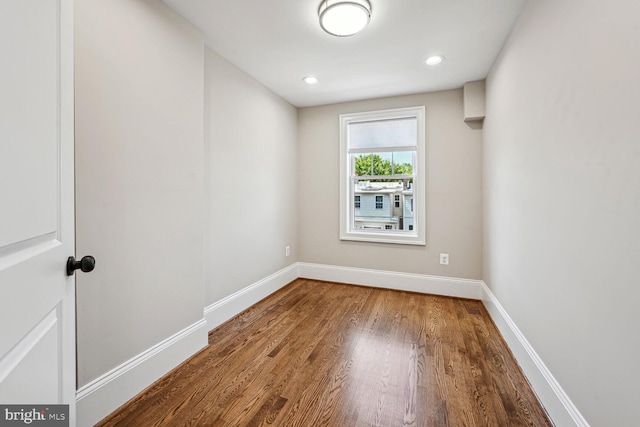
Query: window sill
(392,238)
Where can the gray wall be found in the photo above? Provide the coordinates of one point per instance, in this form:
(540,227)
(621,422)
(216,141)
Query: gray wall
(139,178)
(453,195)
(251,180)
(562,196)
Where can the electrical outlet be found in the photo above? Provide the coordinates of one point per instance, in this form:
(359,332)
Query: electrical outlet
(444,259)
(287,250)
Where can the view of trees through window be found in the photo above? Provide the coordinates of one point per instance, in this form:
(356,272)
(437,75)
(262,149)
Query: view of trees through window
(382,188)
(388,164)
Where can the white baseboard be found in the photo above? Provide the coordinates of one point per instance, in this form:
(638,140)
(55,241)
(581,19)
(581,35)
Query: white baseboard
(558,405)
(422,283)
(102,396)
(228,307)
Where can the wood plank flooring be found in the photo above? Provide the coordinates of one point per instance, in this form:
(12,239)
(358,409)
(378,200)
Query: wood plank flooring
(327,354)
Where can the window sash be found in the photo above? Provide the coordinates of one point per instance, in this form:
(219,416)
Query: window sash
(374,230)
(379,150)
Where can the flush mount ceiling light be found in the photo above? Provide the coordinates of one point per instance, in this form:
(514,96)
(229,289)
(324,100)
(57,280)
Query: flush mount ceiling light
(343,18)
(434,60)
(310,80)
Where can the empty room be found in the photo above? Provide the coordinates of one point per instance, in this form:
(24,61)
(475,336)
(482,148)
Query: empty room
(319,213)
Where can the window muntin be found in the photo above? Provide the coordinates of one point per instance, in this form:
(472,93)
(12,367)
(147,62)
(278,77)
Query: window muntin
(382,157)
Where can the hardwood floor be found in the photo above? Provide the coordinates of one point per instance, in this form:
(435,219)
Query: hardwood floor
(326,354)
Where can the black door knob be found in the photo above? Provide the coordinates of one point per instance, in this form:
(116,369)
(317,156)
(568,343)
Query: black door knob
(86,264)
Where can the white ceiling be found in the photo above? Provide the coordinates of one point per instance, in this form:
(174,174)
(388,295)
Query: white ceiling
(278,42)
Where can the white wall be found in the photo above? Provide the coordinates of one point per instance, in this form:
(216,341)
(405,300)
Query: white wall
(139,178)
(251,179)
(562,196)
(453,191)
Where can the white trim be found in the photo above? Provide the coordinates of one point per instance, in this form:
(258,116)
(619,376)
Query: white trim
(228,307)
(107,393)
(438,285)
(554,399)
(102,396)
(418,234)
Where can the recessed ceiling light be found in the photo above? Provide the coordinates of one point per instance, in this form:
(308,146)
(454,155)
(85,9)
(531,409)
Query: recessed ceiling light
(344,18)
(310,80)
(435,60)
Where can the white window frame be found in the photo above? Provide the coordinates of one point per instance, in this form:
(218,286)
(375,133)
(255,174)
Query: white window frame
(347,231)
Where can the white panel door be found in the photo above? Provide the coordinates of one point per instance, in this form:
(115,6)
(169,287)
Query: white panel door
(37,312)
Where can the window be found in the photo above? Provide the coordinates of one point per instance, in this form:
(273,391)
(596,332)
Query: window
(382,154)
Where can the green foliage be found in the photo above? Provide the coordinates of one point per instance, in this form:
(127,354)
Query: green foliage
(381,166)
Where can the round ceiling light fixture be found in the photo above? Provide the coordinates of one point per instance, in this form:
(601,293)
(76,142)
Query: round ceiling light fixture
(434,60)
(310,80)
(344,18)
